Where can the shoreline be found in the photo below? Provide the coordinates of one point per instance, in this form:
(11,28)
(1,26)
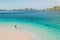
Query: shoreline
(13,34)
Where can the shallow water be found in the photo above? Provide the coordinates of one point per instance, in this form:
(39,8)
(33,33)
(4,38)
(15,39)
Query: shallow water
(42,25)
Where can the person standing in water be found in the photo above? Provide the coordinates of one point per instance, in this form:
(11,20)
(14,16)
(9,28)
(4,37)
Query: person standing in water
(15,27)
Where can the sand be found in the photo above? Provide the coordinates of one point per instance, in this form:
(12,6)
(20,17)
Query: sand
(14,34)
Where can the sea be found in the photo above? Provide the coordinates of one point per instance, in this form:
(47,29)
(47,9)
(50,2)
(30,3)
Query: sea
(42,25)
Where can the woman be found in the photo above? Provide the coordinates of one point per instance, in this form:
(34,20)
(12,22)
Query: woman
(15,27)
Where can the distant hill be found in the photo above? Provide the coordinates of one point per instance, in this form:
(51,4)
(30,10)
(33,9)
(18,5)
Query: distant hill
(55,8)
(26,9)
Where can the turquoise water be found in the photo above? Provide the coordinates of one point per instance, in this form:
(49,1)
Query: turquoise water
(42,25)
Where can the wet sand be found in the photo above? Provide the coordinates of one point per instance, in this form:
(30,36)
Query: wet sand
(13,34)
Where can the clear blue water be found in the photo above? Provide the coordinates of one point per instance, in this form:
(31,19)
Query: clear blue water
(44,25)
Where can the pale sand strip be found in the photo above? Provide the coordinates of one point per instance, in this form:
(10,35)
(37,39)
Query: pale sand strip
(13,34)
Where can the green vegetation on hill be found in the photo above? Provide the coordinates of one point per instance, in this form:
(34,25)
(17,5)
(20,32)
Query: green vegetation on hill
(56,8)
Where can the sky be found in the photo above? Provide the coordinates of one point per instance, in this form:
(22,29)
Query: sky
(20,4)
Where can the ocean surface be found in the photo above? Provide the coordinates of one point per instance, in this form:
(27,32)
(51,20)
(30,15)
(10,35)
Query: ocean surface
(42,25)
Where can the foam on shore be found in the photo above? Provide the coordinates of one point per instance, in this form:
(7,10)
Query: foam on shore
(34,32)
(13,34)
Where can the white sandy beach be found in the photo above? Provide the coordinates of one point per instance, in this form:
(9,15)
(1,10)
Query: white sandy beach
(13,34)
